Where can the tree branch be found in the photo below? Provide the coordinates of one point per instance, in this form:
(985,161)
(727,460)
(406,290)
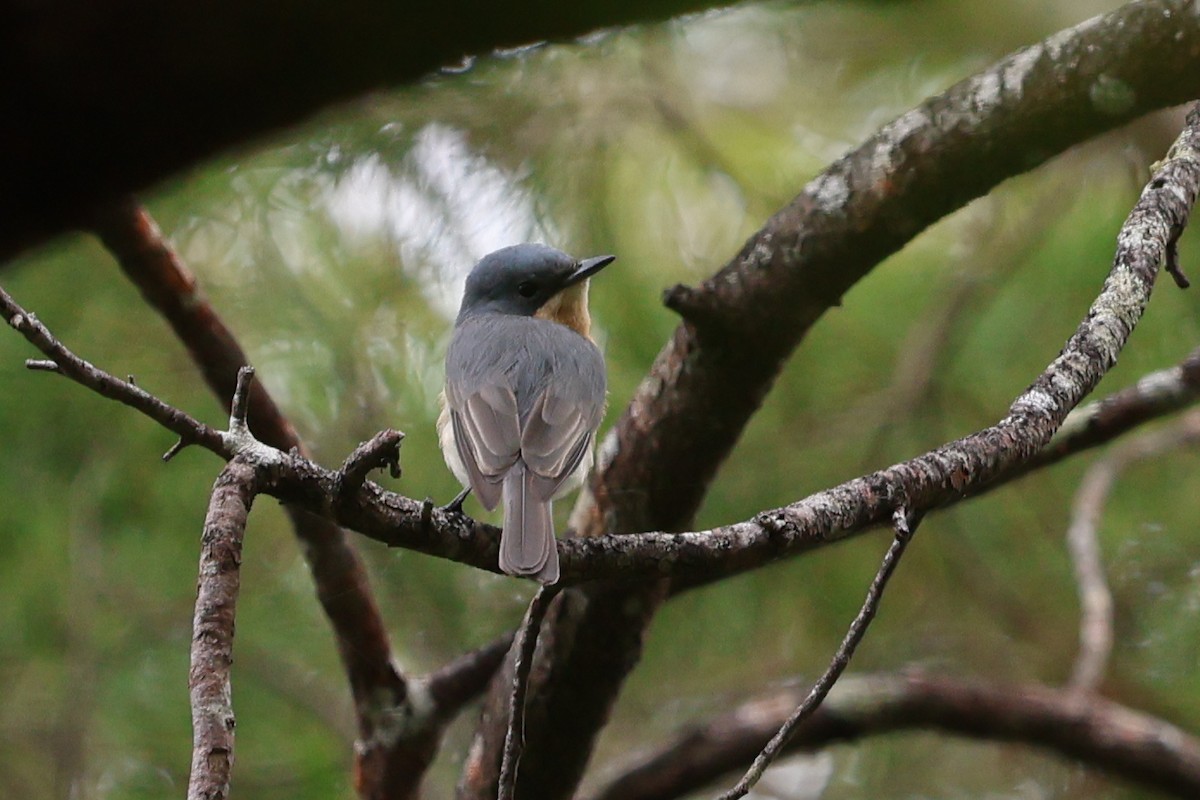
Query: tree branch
(936,478)
(1101,734)
(514,740)
(463,679)
(189,429)
(212,631)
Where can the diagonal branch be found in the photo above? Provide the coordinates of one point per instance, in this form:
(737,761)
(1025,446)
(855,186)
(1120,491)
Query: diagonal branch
(1153,396)
(524,648)
(951,471)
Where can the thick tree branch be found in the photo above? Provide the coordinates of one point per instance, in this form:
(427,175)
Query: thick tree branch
(212,630)
(741,325)
(1098,733)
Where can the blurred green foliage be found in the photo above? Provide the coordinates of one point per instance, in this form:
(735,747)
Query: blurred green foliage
(336,253)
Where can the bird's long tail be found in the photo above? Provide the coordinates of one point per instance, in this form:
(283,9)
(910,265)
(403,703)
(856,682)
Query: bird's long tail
(527,545)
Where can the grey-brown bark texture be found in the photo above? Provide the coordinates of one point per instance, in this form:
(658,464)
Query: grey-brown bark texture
(212,631)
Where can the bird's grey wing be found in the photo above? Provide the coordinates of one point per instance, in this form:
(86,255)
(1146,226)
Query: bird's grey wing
(556,435)
(487,433)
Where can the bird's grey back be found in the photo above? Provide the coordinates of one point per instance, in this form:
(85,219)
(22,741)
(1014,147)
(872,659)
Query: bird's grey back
(487,350)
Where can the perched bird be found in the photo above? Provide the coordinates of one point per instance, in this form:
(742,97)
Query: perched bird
(525,392)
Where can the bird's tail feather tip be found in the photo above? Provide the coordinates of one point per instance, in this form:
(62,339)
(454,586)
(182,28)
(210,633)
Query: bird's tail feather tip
(527,544)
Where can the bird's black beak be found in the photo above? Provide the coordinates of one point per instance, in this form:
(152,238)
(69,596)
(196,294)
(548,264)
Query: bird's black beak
(587,268)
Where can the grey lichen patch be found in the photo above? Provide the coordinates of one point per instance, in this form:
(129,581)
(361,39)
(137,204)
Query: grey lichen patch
(889,149)
(760,255)
(1018,68)
(830,191)
(1038,400)
(988,91)
(610,445)
(1111,95)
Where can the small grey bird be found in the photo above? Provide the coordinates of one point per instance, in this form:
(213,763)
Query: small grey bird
(525,392)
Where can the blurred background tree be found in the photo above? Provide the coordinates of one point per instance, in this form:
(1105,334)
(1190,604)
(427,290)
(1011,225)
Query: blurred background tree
(337,250)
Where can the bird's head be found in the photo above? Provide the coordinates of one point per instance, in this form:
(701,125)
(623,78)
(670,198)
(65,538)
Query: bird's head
(532,280)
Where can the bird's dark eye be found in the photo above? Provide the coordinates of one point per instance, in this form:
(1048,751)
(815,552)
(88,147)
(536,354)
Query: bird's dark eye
(527,288)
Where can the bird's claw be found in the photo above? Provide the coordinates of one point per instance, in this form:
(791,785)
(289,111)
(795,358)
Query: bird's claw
(455,506)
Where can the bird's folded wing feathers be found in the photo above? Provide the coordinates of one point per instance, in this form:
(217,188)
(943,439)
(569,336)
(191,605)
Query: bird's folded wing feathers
(555,438)
(487,433)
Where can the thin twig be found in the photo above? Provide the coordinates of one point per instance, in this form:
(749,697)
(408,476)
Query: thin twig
(904,526)
(526,644)
(73,367)
(1095,598)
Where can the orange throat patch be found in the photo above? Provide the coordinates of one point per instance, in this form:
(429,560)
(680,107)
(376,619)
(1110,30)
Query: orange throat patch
(569,307)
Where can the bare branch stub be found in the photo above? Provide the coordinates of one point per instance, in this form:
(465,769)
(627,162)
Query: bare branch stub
(240,405)
(212,631)
(381,450)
